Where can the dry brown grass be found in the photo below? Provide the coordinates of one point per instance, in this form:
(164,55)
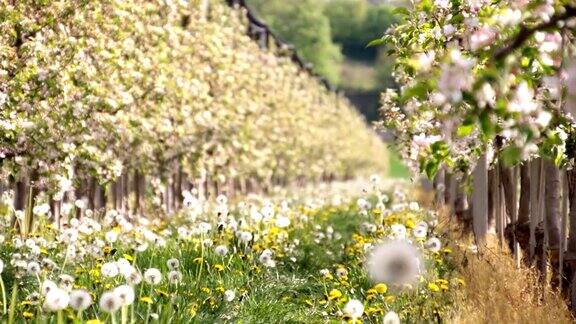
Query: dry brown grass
(496,290)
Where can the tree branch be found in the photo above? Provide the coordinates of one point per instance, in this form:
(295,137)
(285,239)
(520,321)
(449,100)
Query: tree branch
(526,32)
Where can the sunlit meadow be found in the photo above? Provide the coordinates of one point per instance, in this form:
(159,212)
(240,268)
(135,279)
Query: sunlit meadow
(296,257)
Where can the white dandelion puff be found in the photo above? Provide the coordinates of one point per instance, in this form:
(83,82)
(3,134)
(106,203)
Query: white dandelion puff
(175,277)
(80,299)
(47,286)
(221,250)
(109,269)
(134,277)
(110,302)
(173,264)
(433,244)
(354,308)
(394,262)
(391,318)
(153,276)
(125,294)
(56,299)
(33,268)
(229,295)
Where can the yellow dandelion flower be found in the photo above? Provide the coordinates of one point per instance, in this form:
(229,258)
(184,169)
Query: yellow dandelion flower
(162,293)
(381,288)
(389,299)
(94,321)
(117,229)
(309,302)
(146,300)
(26,303)
(219,267)
(433,287)
(198,260)
(334,294)
(94,273)
(128,257)
(374,310)
(27,315)
(220,289)
(410,223)
(43,251)
(205,290)
(447,250)
(461,281)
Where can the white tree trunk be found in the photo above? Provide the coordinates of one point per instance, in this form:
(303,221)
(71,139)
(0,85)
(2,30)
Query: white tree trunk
(480,200)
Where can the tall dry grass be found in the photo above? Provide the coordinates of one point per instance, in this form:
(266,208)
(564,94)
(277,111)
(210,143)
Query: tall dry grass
(496,290)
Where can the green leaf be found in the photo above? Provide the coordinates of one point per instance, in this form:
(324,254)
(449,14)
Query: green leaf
(418,91)
(510,155)
(376,42)
(465,130)
(486,124)
(431,168)
(401,11)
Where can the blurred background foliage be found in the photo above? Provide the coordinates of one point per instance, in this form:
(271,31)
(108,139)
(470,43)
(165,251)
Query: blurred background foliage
(332,35)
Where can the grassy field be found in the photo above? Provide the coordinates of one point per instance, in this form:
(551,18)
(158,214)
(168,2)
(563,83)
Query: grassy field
(289,260)
(397,169)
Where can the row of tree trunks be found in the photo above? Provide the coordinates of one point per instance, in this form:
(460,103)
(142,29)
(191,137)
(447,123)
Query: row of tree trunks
(533,209)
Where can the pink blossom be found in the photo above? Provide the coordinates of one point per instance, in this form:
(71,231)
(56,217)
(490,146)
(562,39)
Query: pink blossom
(482,38)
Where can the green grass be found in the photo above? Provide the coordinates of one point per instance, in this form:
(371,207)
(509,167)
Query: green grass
(397,169)
(293,291)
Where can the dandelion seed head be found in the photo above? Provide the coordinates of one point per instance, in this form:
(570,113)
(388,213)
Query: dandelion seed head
(391,318)
(110,302)
(221,250)
(433,244)
(229,295)
(153,276)
(354,308)
(175,277)
(125,294)
(173,264)
(56,299)
(80,299)
(395,262)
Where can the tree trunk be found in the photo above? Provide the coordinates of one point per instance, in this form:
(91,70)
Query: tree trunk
(137,193)
(440,187)
(480,200)
(507,179)
(553,188)
(535,193)
(525,189)
(571,247)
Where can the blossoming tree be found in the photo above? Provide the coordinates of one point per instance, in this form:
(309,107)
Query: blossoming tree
(487,95)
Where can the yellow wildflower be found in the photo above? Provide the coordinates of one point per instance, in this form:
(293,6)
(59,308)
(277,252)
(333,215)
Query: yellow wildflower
(381,288)
(334,294)
(219,267)
(198,260)
(27,315)
(94,321)
(205,290)
(433,287)
(146,300)
(128,257)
